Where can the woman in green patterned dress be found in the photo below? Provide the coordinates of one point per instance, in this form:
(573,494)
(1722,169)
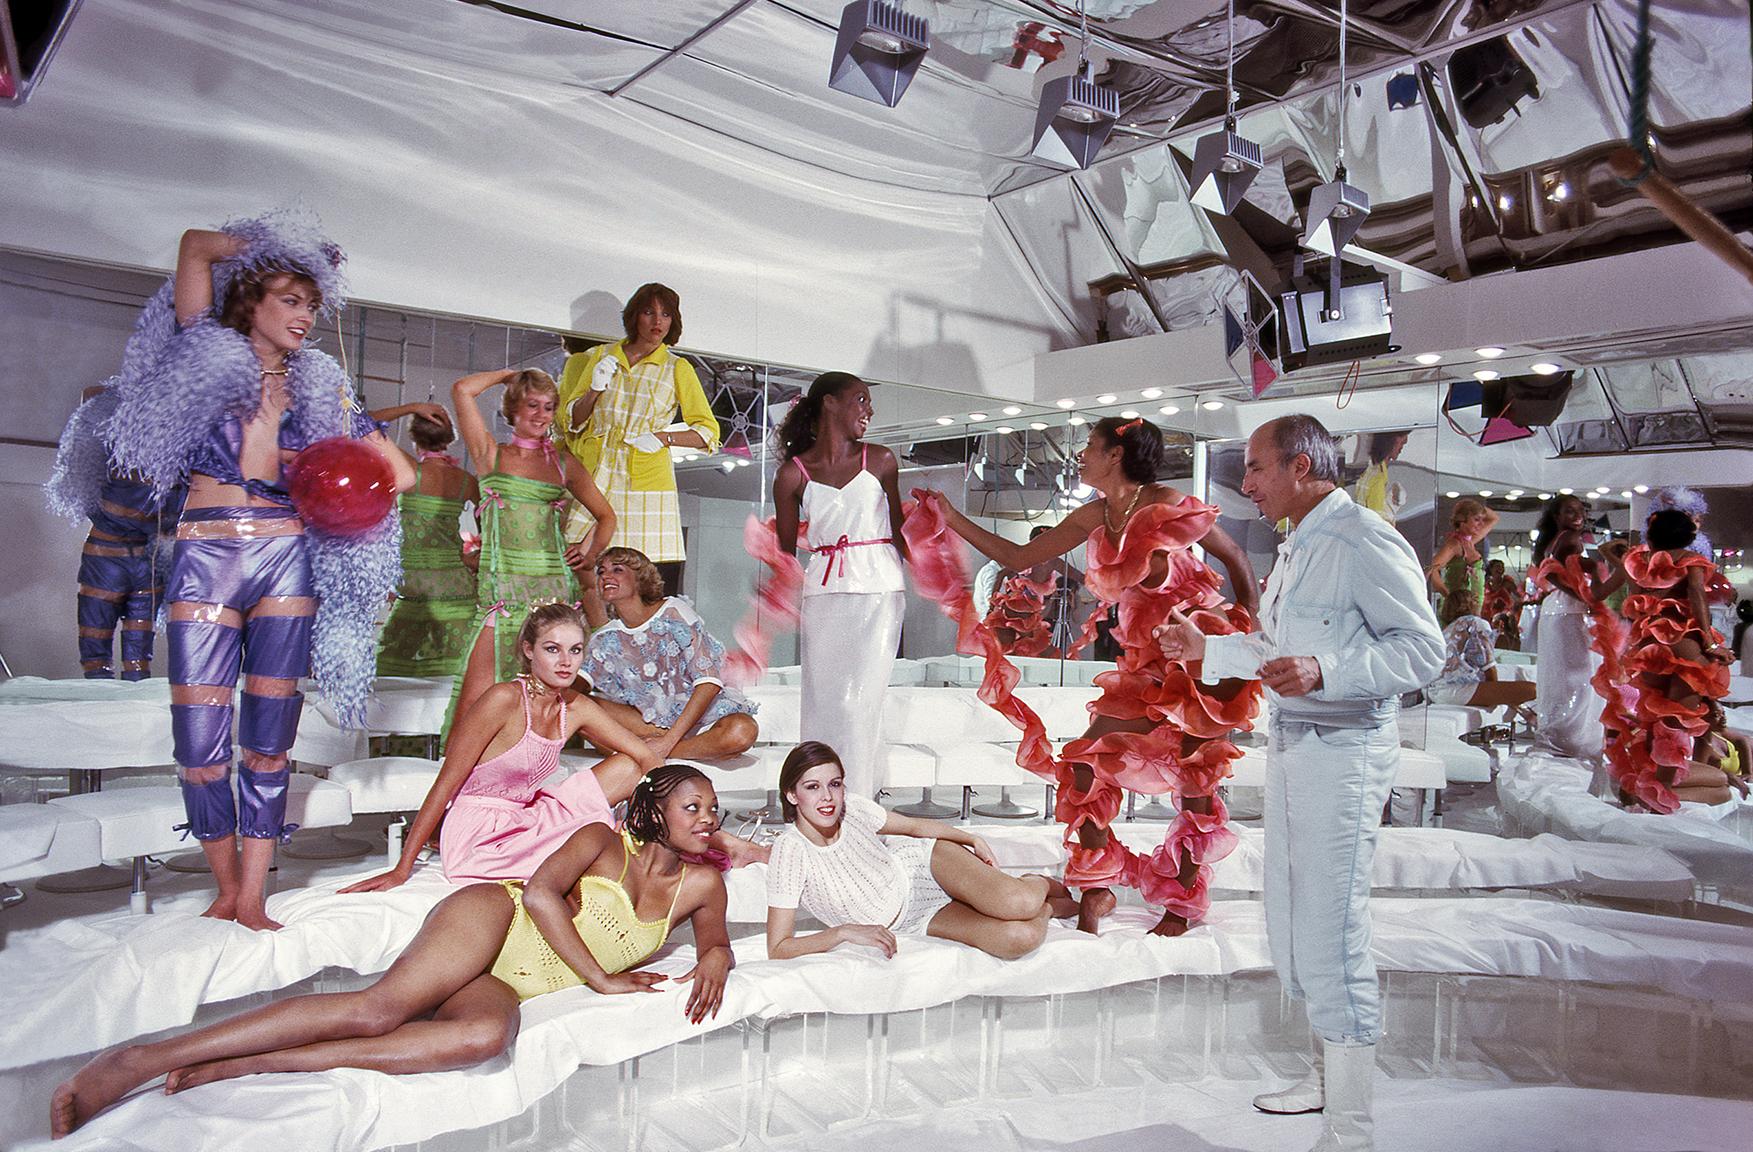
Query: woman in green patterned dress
(525,560)
(428,629)
(1460,562)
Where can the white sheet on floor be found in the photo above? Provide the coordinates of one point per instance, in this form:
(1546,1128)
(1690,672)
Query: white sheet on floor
(1542,793)
(351,1109)
(77,986)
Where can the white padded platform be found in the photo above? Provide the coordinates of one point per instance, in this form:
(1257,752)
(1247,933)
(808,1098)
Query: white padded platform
(565,1030)
(76,987)
(43,840)
(1542,793)
(142,821)
(386,783)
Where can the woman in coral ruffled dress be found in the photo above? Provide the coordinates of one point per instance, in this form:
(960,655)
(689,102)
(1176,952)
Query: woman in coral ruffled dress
(1156,729)
(1675,663)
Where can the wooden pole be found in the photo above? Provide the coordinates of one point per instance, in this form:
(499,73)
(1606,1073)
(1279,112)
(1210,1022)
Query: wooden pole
(1683,212)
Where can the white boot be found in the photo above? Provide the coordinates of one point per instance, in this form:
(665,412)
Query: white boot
(1305,1095)
(1350,1084)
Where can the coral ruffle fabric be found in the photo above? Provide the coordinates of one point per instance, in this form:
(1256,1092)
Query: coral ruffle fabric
(776,608)
(1187,752)
(1654,735)
(1020,606)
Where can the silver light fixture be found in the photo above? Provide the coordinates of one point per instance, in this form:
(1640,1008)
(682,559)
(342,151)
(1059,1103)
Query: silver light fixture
(1337,210)
(1224,163)
(878,50)
(1076,113)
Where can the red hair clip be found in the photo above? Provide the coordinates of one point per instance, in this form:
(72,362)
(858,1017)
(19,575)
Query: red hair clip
(1128,426)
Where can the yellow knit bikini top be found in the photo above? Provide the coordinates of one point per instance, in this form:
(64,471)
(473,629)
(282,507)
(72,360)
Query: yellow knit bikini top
(606,921)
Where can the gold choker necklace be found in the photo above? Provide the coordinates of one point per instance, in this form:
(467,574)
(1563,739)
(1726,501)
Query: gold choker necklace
(275,371)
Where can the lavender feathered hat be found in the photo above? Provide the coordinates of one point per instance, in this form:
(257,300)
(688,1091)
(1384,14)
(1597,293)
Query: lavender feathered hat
(1690,501)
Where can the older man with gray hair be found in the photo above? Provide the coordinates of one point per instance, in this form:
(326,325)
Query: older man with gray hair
(1345,628)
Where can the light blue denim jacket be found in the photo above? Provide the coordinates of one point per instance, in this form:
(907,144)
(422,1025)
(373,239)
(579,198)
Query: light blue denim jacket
(1348,591)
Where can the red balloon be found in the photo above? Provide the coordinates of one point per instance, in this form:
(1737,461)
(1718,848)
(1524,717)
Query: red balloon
(341,486)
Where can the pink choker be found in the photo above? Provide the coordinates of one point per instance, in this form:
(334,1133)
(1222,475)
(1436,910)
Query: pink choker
(544,444)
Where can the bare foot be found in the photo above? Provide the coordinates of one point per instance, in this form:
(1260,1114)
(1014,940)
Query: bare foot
(257,919)
(1170,925)
(93,1088)
(742,852)
(223,908)
(195,1075)
(1095,904)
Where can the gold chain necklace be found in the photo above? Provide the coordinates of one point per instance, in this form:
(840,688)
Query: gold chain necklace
(1136,493)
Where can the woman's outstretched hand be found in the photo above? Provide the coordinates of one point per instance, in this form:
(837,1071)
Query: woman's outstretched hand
(1179,638)
(708,976)
(394,878)
(619,983)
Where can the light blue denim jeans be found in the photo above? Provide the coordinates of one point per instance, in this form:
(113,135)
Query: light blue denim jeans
(1325,788)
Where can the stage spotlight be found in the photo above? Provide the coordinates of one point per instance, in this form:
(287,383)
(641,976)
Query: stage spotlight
(1077,421)
(1151,393)
(1037,426)
(1106,398)
(1067,403)
(1004,429)
(878,50)
(1169,409)
(1428,358)
(1640,489)
(1544,368)
(1224,165)
(1074,119)
(1337,211)
(945,421)
(1012,410)
(1452,495)
(976,415)
(1211,405)
(1489,352)
(1129,414)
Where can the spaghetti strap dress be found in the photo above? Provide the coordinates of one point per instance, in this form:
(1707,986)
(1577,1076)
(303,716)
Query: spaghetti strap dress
(507,817)
(523,564)
(428,633)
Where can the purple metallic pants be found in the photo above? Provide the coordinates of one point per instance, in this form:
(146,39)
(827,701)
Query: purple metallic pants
(241,600)
(117,584)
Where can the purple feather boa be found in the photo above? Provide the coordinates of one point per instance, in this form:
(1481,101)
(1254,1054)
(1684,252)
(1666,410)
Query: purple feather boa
(82,463)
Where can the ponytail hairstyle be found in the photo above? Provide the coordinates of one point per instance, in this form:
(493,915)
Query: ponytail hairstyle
(796,433)
(541,618)
(1140,443)
(644,821)
(527,381)
(809,754)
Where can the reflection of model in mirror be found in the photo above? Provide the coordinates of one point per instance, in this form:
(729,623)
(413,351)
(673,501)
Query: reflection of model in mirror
(1564,701)
(428,633)
(1156,728)
(123,563)
(841,494)
(1032,613)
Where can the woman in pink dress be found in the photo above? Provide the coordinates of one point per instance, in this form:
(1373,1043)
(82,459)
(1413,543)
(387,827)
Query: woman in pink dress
(502,813)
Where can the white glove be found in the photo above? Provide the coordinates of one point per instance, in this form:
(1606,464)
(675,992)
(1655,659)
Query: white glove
(646,442)
(603,374)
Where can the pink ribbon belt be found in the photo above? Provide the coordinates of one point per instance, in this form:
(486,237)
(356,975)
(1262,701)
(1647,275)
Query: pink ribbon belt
(839,548)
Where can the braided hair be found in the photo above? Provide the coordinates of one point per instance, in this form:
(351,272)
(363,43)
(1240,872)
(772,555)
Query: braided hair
(644,820)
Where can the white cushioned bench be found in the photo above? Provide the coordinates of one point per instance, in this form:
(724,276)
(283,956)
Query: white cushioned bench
(45,840)
(134,823)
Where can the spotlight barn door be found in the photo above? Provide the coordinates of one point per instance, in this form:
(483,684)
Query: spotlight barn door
(30,31)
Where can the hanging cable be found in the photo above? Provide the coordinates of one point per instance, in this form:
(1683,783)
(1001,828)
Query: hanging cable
(1339,173)
(1229,73)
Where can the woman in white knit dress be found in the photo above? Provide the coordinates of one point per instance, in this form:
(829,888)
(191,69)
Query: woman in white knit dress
(870,875)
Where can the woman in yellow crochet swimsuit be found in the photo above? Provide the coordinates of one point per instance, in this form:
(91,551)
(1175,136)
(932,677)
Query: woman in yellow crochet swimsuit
(596,909)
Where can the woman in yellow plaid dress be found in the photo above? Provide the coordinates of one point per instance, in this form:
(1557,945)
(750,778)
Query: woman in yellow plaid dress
(617,403)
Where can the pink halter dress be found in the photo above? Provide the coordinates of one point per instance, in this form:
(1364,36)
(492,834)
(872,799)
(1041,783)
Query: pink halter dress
(504,821)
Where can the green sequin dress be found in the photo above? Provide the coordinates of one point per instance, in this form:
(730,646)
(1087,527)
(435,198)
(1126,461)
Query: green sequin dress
(523,564)
(428,632)
(1460,573)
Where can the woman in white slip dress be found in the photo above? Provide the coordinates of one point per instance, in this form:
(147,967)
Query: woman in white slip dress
(845,494)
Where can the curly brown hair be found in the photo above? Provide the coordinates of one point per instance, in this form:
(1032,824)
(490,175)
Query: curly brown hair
(649,579)
(248,291)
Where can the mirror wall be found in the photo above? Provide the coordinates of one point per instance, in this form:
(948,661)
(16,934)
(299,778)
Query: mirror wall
(1010,465)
